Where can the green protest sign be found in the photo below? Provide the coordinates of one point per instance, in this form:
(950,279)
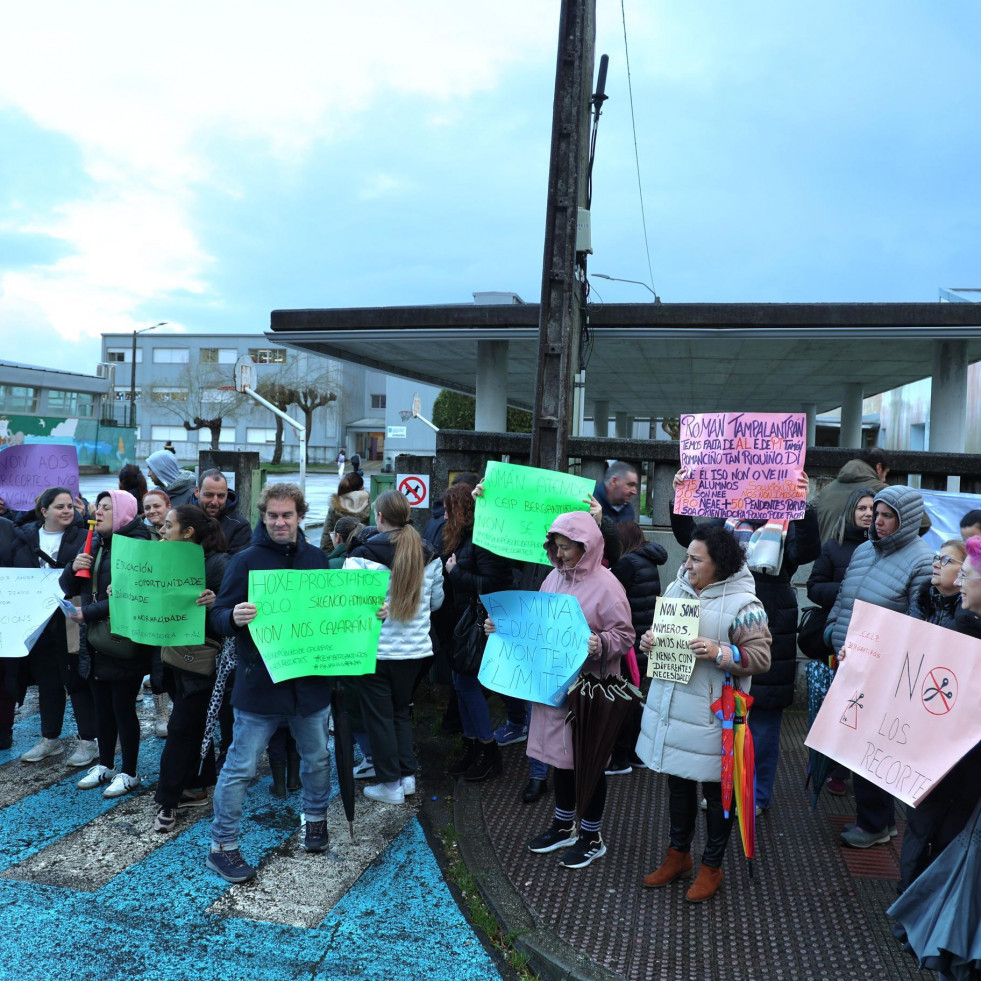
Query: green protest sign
(519,505)
(317,621)
(155,587)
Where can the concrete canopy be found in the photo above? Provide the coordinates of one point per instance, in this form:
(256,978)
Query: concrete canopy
(662,358)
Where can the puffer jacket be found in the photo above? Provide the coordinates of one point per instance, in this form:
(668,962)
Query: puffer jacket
(477,571)
(356,504)
(679,732)
(409,639)
(886,572)
(933,607)
(637,572)
(254,689)
(828,571)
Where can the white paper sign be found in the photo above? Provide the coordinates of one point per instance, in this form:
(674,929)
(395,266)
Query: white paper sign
(28,597)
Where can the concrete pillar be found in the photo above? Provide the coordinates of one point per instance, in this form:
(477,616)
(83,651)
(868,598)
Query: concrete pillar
(624,425)
(601,417)
(948,397)
(851,415)
(492,387)
(810,409)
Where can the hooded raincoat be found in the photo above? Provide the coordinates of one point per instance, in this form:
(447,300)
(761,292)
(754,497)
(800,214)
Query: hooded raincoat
(604,604)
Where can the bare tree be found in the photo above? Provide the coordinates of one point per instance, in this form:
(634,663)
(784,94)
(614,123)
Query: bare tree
(281,396)
(201,398)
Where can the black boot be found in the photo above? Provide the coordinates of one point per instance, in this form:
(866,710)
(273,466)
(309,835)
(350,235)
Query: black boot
(293,771)
(279,779)
(465,760)
(487,764)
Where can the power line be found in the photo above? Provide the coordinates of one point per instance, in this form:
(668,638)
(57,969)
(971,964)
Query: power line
(633,123)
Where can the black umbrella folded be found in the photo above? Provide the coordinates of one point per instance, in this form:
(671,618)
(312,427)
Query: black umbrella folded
(343,753)
(597,710)
(819,678)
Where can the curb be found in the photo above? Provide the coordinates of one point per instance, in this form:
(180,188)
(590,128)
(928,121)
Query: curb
(547,953)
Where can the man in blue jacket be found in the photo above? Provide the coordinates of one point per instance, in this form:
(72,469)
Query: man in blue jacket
(616,491)
(260,705)
(216,500)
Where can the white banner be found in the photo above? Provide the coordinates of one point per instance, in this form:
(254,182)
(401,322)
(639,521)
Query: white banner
(28,597)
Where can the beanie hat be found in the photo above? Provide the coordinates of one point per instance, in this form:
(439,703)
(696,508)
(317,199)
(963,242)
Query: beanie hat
(164,464)
(123,507)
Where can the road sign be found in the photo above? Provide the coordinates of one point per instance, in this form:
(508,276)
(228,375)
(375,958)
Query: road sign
(414,487)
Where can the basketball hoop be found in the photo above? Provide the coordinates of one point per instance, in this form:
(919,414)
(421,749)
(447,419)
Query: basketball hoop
(405,414)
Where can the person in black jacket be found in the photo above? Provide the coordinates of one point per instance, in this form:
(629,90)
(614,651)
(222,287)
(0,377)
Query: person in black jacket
(637,572)
(217,501)
(261,705)
(828,571)
(114,682)
(471,571)
(183,775)
(773,690)
(11,544)
(52,543)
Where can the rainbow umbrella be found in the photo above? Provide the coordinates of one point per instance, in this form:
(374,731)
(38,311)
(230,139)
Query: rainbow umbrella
(745,767)
(725,708)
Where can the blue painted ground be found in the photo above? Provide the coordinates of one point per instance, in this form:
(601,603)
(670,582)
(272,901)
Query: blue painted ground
(397,921)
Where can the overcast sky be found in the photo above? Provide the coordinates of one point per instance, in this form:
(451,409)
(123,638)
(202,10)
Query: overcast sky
(204,164)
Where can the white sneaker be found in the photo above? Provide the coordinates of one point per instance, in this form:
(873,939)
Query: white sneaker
(122,783)
(86,753)
(381,793)
(97,775)
(365,770)
(44,749)
(408,785)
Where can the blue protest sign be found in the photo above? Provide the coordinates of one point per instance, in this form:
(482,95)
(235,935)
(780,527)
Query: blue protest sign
(538,647)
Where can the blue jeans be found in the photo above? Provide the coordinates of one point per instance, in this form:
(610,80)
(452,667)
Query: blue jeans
(251,736)
(764,724)
(474,711)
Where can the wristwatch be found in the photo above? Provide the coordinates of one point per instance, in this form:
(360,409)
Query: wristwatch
(720,657)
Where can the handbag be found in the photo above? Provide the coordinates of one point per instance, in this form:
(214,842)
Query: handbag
(810,633)
(469,639)
(100,636)
(195,658)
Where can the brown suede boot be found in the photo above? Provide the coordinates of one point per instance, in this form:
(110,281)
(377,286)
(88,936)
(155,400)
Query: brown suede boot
(706,885)
(675,866)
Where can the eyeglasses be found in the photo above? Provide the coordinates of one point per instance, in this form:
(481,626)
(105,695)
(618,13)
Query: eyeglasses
(943,560)
(962,578)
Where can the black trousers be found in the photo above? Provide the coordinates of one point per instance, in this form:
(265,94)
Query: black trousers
(565,795)
(385,698)
(115,716)
(683,812)
(180,761)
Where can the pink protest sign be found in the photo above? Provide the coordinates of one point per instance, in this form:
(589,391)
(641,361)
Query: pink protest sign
(902,708)
(742,465)
(30,468)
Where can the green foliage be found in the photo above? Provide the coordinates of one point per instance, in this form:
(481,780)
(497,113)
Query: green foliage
(452,410)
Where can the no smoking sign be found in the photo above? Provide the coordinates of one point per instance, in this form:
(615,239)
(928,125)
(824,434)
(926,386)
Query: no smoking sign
(414,487)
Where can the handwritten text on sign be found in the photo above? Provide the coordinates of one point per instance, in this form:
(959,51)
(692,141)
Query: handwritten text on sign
(538,647)
(898,711)
(519,505)
(155,587)
(28,597)
(675,624)
(742,465)
(317,621)
(28,469)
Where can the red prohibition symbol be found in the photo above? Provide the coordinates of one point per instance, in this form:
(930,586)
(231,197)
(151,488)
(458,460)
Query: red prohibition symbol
(939,691)
(413,490)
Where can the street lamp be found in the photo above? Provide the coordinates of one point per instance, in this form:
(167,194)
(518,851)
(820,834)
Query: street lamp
(132,377)
(638,282)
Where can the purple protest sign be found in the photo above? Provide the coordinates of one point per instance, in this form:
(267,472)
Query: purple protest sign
(742,465)
(30,468)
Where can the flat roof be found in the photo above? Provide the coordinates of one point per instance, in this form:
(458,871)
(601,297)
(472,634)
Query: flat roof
(656,358)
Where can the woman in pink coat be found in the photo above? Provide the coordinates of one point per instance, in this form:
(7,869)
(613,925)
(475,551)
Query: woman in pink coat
(574,546)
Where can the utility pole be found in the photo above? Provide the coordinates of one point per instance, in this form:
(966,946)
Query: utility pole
(562,307)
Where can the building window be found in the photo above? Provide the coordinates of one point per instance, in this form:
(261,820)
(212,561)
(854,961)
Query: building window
(171,355)
(168,395)
(18,398)
(210,396)
(218,355)
(255,434)
(71,404)
(122,395)
(123,355)
(266,355)
(227,435)
(175,434)
(378,401)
